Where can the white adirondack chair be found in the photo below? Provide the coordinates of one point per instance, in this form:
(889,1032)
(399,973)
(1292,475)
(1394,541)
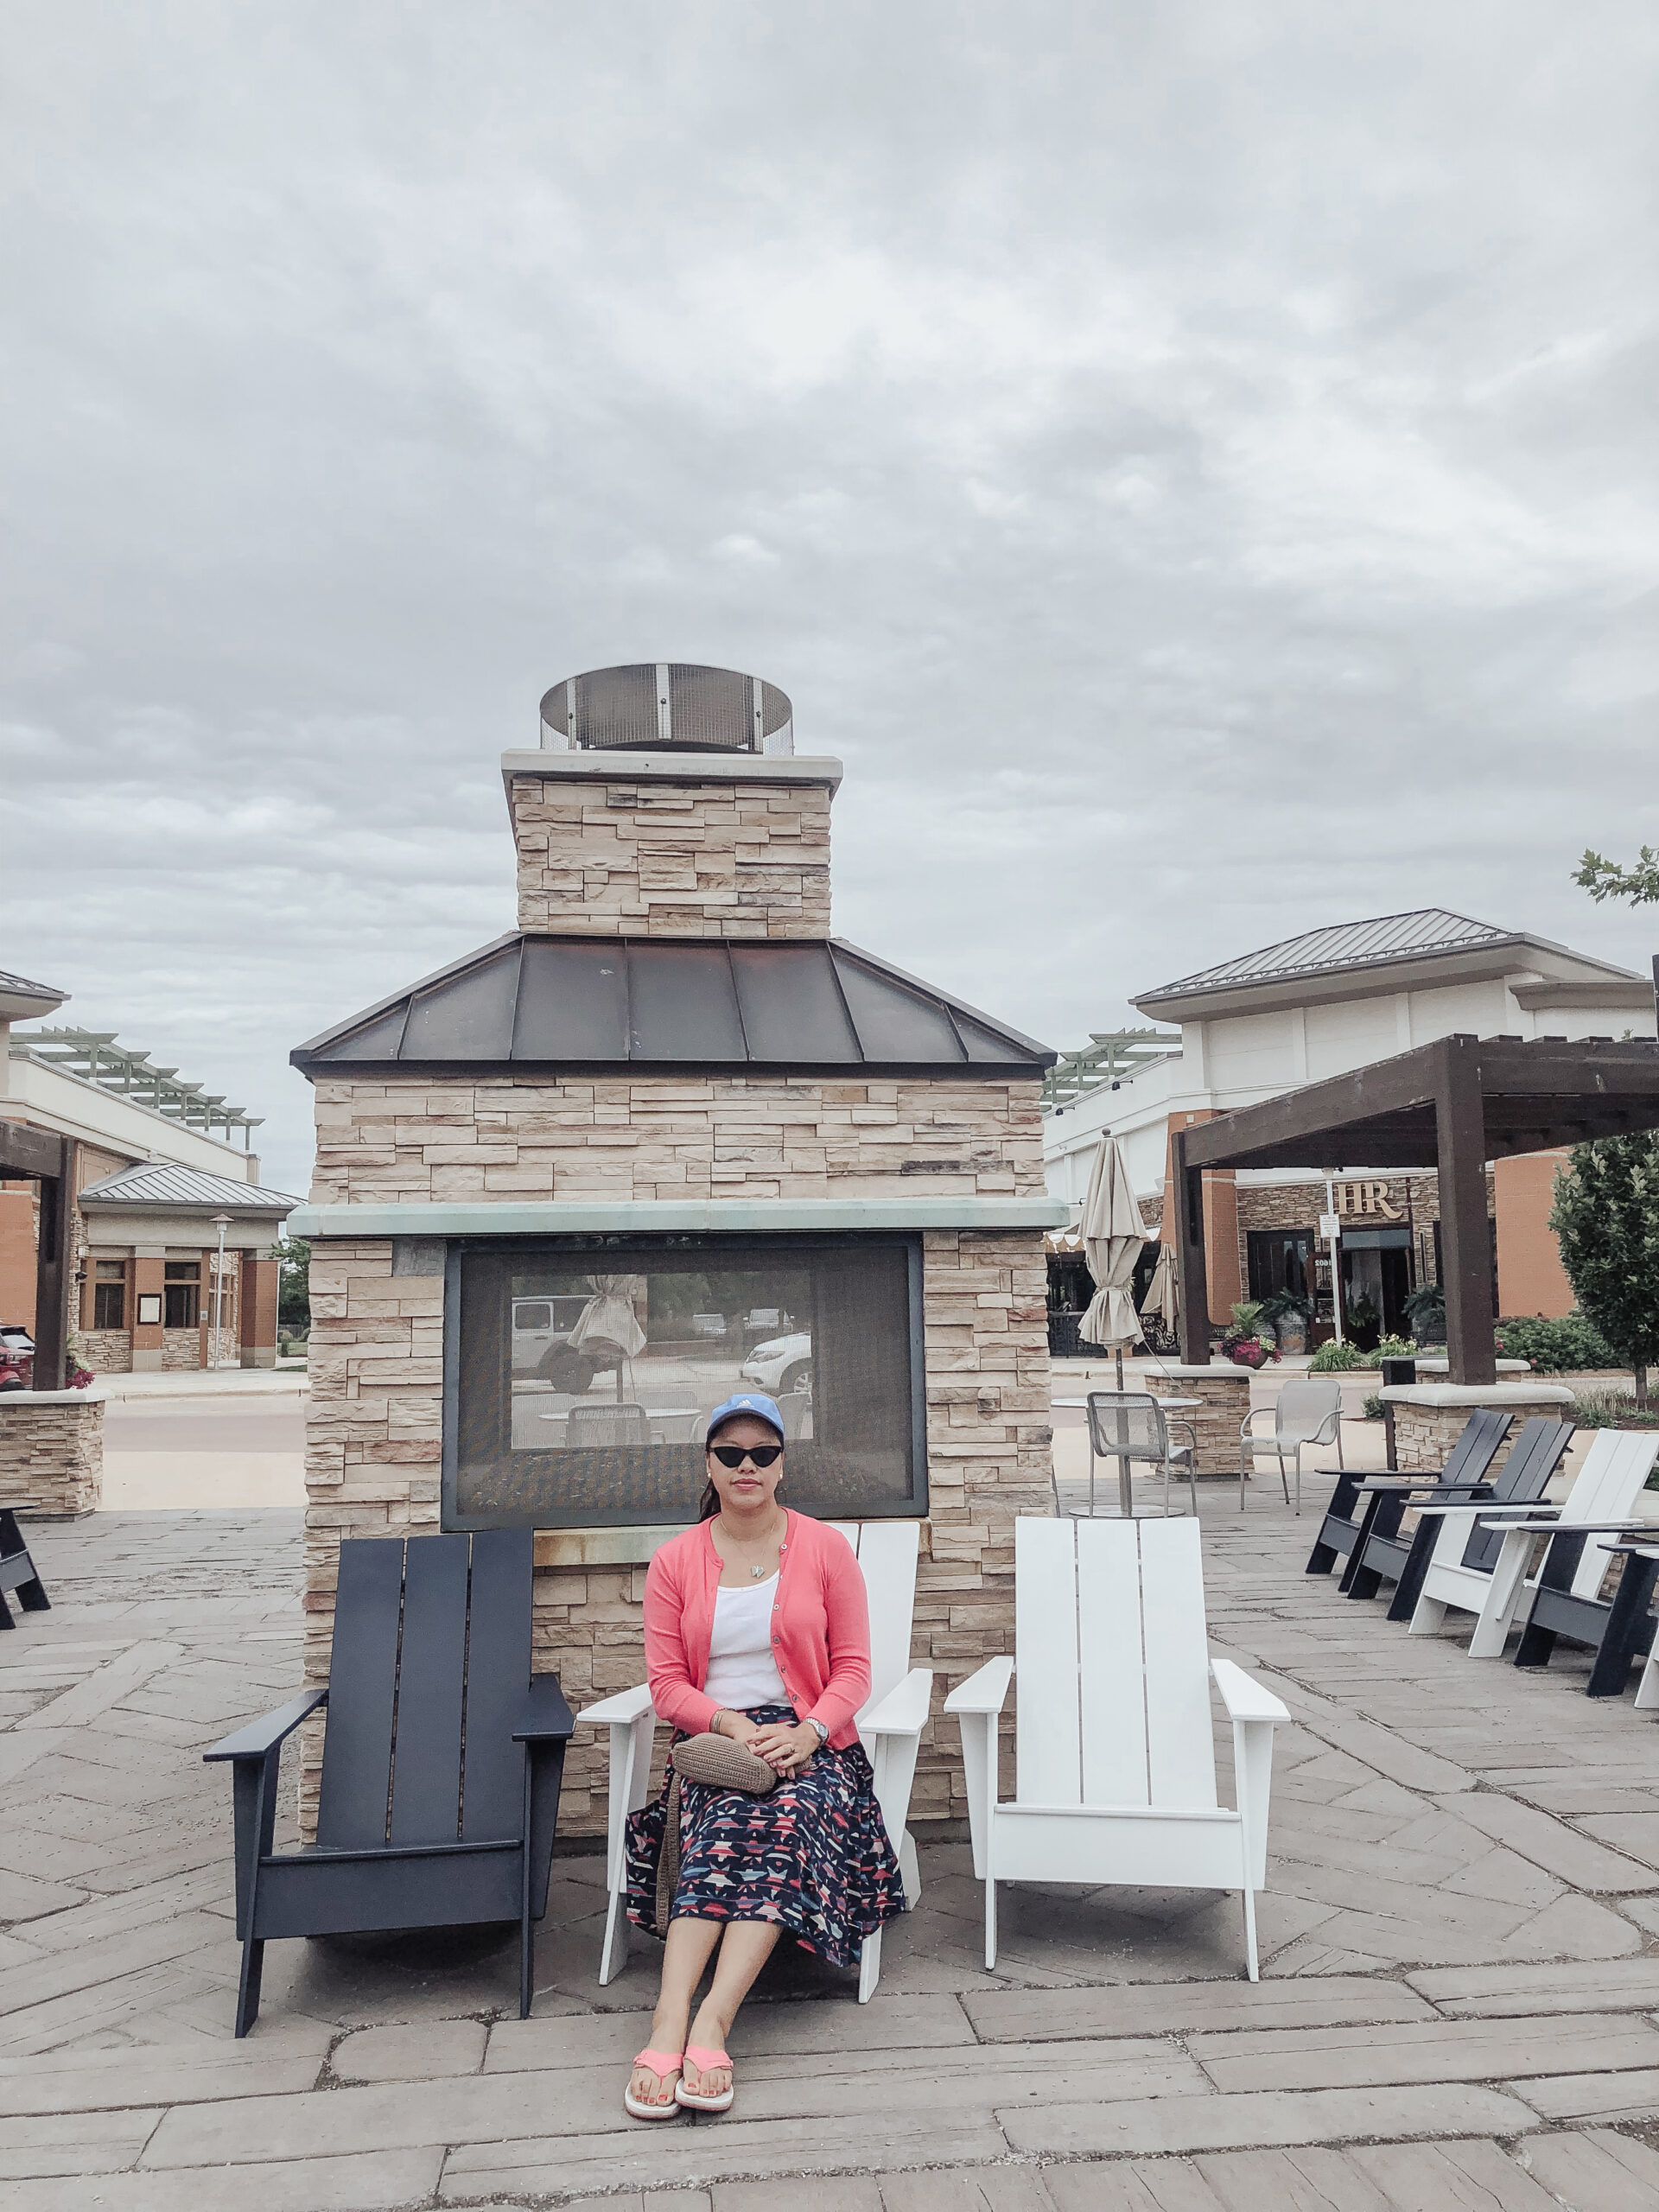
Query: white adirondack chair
(1115,1765)
(1603,1497)
(889,1726)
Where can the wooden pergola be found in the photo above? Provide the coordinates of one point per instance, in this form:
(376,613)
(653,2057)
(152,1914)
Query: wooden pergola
(1453,1106)
(43,1157)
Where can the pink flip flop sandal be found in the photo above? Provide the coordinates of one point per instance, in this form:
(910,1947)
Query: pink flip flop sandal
(661,2063)
(703,2060)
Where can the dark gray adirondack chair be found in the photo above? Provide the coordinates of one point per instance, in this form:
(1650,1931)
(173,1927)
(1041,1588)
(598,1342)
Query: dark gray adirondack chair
(442,1764)
(1522,1480)
(1352,1517)
(1381,1551)
(18,1572)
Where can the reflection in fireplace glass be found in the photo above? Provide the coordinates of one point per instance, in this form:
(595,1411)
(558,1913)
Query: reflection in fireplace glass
(587,1370)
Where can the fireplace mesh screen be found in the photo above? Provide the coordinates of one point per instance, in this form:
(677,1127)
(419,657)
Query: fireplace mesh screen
(586,1370)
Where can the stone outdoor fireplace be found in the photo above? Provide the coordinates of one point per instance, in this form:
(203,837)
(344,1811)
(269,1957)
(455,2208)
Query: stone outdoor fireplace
(667,1137)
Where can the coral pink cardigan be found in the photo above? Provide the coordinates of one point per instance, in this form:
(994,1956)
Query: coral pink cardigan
(820,1627)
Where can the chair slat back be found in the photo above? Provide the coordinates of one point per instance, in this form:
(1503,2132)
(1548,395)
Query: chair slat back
(1522,1480)
(886,1553)
(1474,1451)
(1048,1753)
(356,1793)
(1615,1468)
(1303,1407)
(497,1675)
(431,1676)
(431,1653)
(1112,1664)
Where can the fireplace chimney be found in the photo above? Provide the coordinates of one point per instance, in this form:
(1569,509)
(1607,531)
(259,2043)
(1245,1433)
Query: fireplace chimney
(666,800)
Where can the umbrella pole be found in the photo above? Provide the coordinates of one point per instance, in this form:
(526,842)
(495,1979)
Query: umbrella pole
(1118,1350)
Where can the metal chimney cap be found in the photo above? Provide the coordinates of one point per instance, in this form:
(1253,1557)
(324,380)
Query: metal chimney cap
(666,706)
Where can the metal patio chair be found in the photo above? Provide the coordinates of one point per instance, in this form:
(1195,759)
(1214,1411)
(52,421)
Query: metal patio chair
(1309,1411)
(1130,1425)
(620,1424)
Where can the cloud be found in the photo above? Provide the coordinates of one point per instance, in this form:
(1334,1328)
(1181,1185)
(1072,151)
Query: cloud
(1195,467)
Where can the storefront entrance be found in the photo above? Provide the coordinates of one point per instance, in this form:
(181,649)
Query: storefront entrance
(1375,1284)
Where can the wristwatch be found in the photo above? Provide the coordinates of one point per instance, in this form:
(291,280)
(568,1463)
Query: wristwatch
(823,1733)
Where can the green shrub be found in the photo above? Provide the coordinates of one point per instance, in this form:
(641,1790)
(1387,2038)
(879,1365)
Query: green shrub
(1336,1359)
(1568,1345)
(1372,1409)
(1396,1347)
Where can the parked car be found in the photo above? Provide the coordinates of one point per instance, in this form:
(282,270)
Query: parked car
(781,1365)
(541,1341)
(16,1356)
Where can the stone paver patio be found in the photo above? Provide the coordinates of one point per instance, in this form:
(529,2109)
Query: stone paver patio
(1461,1976)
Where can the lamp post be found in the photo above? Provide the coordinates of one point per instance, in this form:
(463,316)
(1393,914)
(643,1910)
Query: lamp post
(222,1221)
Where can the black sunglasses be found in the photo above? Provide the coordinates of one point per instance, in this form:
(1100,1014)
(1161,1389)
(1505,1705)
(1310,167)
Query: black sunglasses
(734,1455)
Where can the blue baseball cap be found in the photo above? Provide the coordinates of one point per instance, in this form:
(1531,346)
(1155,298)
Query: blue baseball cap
(748,1402)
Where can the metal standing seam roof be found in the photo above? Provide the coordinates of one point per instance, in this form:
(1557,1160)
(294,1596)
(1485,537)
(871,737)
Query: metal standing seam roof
(22,985)
(1345,944)
(163,1183)
(783,1005)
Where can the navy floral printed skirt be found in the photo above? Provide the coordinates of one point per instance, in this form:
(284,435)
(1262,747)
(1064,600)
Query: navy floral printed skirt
(811,1856)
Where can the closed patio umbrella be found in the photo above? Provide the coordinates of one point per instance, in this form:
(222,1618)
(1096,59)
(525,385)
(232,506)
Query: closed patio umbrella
(1160,1291)
(1113,1234)
(608,1321)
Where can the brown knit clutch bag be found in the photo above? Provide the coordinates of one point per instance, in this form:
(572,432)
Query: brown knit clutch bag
(723,1764)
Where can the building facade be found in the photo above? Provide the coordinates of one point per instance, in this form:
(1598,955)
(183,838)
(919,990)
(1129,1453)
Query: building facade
(171,1231)
(1317,1005)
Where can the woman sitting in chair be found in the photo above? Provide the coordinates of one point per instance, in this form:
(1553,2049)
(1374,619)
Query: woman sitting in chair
(757,1629)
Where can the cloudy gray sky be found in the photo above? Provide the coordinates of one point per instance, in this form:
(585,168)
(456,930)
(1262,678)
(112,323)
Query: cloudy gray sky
(1194,463)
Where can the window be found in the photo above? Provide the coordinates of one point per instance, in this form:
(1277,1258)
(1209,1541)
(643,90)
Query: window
(182,1290)
(581,1372)
(109,1294)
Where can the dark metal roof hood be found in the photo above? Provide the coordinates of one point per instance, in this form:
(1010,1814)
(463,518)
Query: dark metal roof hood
(616,1005)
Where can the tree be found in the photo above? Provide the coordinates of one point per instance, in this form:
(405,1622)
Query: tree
(1604,879)
(294,1291)
(1606,1220)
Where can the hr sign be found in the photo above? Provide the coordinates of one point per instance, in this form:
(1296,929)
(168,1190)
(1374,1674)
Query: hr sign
(1355,1200)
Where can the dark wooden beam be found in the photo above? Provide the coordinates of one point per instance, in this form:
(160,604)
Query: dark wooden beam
(1465,1233)
(1191,1271)
(31,1153)
(53,1268)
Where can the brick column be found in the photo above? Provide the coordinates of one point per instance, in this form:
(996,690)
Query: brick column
(149,1281)
(261,1281)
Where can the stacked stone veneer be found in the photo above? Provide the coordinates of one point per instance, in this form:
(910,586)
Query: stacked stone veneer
(1424,1435)
(106,1351)
(51,1453)
(668,859)
(374,1426)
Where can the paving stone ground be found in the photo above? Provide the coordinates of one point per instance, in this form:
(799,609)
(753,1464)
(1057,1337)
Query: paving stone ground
(1460,1941)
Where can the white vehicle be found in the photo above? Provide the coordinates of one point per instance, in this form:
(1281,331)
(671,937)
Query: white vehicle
(780,1365)
(541,1329)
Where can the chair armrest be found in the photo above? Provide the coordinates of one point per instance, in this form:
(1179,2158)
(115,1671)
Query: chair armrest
(263,1736)
(1245,1434)
(545,1716)
(984,1692)
(1487,1512)
(1332,1421)
(1244,1696)
(903,1712)
(625,1707)
(1571,1528)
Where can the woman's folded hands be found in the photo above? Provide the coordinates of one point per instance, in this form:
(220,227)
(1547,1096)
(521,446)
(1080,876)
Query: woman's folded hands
(784,1748)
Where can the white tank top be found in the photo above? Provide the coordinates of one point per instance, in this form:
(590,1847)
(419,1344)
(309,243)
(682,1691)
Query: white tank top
(742,1672)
